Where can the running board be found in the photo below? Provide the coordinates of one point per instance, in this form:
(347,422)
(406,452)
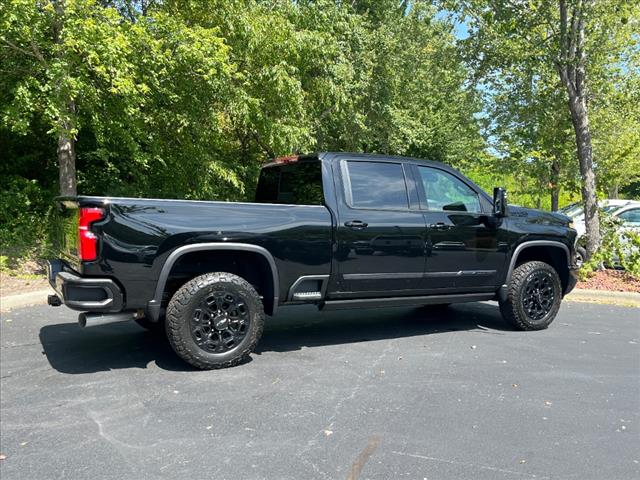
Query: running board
(307,296)
(406,301)
(308,288)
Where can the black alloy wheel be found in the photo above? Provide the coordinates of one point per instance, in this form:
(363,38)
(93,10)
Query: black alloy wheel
(539,296)
(220,322)
(215,320)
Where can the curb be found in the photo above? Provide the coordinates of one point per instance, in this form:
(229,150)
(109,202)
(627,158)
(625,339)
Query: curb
(37,297)
(625,299)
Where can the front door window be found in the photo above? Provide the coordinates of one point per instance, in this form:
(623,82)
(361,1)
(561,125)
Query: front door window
(444,192)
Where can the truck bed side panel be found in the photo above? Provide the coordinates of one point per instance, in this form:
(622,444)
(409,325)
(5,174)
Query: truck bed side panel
(138,236)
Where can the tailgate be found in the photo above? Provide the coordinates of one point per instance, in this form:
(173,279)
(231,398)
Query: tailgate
(66,230)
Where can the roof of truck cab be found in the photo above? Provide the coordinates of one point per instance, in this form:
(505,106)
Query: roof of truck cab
(378,157)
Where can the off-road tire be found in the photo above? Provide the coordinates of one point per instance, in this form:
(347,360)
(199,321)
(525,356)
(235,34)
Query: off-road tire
(183,305)
(513,310)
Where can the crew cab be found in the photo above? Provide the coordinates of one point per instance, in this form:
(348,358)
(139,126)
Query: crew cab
(338,230)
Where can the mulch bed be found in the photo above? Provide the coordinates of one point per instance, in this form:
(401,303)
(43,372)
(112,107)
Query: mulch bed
(23,277)
(611,280)
(10,285)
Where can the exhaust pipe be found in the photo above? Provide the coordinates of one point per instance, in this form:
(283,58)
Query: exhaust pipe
(88,319)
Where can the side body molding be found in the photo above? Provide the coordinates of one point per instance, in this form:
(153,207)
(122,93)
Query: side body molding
(153,307)
(514,258)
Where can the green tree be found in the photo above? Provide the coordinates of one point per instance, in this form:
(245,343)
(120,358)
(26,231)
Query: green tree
(125,97)
(60,58)
(360,76)
(616,126)
(532,132)
(419,101)
(580,39)
(186,98)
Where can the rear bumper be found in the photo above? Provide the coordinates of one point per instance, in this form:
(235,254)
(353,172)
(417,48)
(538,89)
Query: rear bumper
(84,294)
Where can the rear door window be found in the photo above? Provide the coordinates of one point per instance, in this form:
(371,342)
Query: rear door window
(375,185)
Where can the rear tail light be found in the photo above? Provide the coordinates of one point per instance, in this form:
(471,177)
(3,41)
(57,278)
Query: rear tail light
(88,244)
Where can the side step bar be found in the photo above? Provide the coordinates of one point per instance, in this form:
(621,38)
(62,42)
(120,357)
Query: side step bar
(406,301)
(307,296)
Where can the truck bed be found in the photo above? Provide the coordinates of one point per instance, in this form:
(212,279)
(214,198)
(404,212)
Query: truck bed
(137,236)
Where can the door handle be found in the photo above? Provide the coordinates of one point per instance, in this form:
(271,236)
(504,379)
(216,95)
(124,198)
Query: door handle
(440,226)
(356,224)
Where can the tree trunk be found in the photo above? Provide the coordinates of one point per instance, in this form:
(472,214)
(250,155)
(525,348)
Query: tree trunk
(613,190)
(555,184)
(67,164)
(555,195)
(573,72)
(580,120)
(65,123)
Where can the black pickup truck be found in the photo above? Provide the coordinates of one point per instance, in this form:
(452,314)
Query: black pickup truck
(338,230)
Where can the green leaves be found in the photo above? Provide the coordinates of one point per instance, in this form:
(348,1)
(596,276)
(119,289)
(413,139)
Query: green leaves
(187,98)
(515,49)
(620,246)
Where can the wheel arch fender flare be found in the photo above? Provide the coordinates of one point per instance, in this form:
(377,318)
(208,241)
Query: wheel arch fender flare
(502,293)
(154,305)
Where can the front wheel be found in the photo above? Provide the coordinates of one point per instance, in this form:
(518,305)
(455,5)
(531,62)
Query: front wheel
(215,320)
(533,297)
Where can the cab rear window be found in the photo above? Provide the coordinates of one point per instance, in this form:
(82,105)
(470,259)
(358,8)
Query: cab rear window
(298,183)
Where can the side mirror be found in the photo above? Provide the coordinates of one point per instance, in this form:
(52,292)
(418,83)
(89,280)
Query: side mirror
(499,202)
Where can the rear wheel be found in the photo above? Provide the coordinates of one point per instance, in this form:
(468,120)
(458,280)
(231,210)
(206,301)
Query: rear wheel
(533,297)
(215,320)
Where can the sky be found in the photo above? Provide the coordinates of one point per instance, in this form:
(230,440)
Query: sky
(460,29)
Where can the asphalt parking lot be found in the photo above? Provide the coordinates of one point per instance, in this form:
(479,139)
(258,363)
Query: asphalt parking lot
(381,394)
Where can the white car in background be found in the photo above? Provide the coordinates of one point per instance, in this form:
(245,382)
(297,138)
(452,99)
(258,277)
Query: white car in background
(628,211)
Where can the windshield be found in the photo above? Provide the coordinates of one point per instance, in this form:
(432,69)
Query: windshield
(573,210)
(566,208)
(611,208)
